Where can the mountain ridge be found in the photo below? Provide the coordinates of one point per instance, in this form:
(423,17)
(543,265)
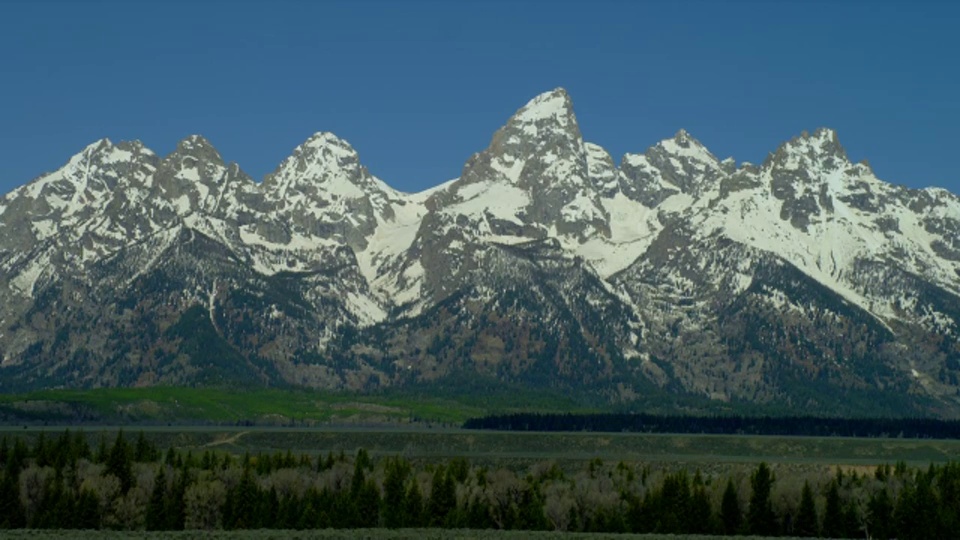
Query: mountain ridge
(676,272)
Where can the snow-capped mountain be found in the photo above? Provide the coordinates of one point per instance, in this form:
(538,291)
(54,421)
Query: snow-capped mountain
(804,282)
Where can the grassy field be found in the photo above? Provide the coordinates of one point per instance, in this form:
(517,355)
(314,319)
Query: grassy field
(417,426)
(263,406)
(520,448)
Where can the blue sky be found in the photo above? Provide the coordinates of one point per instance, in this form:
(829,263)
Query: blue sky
(417,87)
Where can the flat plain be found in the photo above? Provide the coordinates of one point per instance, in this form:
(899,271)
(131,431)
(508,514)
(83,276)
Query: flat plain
(521,448)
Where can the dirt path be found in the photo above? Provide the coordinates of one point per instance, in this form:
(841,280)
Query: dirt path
(226,440)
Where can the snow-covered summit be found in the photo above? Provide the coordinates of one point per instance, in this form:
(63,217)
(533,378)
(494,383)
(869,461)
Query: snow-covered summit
(323,159)
(553,107)
(821,149)
(684,145)
(197,146)
(533,178)
(671,265)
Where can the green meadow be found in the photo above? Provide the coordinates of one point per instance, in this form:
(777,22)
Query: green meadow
(417,426)
(520,449)
(178,405)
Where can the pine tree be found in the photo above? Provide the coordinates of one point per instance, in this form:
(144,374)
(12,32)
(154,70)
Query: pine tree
(478,515)
(207,461)
(174,508)
(458,469)
(62,452)
(948,495)
(54,509)
(367,505)
(312,510)
(806,524)
(119,462)
(101,455)
(880,515)
(325,464)
(243,497)
(327,506)
(834,518)
(349,502)
(414,514)
(916,510)
(16,460)
(144,451)
(41,451)
(81,446)
(87,513)
(674,504)
(11,510)
(363,460)
(344,510)
(171,458)
(394,492)
(289,511)
(443,497)
(730,514)
(267,507)
(156,520)
(633,515)
(761,520)
(530,512)
(700,513)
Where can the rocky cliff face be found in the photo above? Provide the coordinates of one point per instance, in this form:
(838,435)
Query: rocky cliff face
(804,282)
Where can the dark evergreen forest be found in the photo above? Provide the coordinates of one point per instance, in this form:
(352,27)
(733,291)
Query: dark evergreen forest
(912,428)
(62,483)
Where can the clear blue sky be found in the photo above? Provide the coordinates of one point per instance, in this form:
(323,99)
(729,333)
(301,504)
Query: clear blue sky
(417,87)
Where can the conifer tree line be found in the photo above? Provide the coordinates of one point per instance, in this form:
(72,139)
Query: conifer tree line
(811,426)
(62,483)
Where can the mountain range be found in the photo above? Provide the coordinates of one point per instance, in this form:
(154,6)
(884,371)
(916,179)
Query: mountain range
(803,283)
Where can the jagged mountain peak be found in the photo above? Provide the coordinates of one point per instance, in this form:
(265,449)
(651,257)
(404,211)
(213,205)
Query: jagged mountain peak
(822,134)
(103,151)
(534,176)
(322,160)
(554,106)
(678,164)
(322,191)
(89,173)
(136,146)
(91,153)
(323,139)
(197,146)
(682,136)
(194,179)
(540,144)
(684,145)
(675,268)
(97,146)
(821,148)
(543,131)
(326,146)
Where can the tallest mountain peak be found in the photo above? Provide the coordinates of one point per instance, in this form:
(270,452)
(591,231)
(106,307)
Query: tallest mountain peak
(542,132)
(553,105)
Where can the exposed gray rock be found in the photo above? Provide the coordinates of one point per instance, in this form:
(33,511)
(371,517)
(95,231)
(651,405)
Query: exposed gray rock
(803,282)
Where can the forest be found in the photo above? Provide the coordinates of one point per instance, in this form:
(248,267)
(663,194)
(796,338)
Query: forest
(60,482)
(809,426)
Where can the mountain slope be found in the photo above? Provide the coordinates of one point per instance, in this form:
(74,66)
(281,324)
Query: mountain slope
(804,282)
